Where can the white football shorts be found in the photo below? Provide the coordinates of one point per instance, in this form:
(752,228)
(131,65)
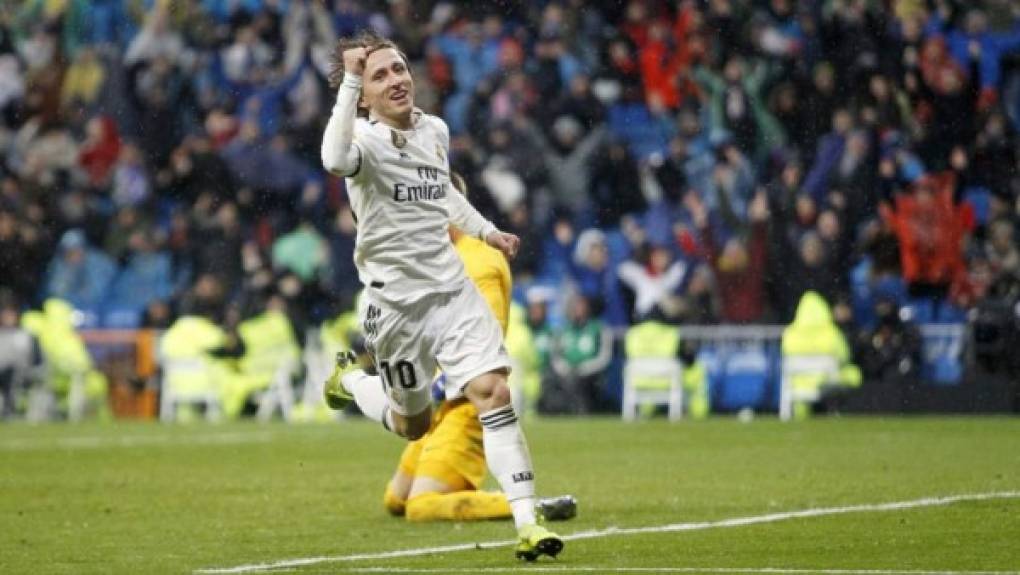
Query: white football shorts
(453,331)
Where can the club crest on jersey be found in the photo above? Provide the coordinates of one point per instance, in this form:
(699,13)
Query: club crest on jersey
(398,139)
(440,154)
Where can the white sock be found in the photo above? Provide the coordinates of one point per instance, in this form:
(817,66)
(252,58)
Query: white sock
(370,396)
(506,452)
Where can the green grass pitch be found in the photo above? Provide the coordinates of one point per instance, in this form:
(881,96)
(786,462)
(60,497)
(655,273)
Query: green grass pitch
(146,498)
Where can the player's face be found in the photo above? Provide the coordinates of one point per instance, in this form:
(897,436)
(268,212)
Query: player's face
(388,89)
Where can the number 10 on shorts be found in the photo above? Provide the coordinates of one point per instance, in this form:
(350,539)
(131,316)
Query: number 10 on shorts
(405,374)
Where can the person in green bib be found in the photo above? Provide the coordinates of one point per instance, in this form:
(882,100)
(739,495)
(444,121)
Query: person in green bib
(67,357)
(270,346)
(579,355)
(654,338)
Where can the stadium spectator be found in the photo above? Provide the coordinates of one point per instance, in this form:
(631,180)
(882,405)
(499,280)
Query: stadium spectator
(342,278)
(131,184)
(218,242)
(568,157)
(931,226)
(1001,248)
(739,265)
(271,350)
(195,168)
(100,151)
(652,276)
(67,359)
(193,340)
(730,187)
(146,277)
(19,354)
(595,279)
(615,189)
(656,338)
(891,351)
(79,274)
(736,106)
(973,44)
(813,333)
(538,300)
(700,303)
(21,255)
(301,251)
(578,356)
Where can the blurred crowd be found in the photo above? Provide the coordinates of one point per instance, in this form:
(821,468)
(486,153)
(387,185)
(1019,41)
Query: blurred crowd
(697,161)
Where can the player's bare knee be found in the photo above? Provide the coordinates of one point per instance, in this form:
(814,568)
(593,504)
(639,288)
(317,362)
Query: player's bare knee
(489,391)
(500,395)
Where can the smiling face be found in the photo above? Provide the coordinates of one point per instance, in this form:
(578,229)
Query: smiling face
(388,90)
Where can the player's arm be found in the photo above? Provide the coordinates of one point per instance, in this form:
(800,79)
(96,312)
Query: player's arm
(340,155)
(467,219)
(506,287)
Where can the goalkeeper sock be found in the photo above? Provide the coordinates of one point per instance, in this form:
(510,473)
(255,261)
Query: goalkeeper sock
(506,452)
(458,506)
(370,396)
(395,505)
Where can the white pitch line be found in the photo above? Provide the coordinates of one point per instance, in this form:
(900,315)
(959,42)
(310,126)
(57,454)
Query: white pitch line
(702,525)
(99,441)
(722,570)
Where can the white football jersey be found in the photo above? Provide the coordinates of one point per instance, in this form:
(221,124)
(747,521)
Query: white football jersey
(400,195)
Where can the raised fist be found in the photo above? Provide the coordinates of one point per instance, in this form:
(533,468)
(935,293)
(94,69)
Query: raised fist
(354,60)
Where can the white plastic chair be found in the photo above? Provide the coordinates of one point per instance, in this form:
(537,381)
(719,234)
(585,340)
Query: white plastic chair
(280,394)
(76,400)
(319,362)
(170,397)
(42,401)
(826,366)
(638,369)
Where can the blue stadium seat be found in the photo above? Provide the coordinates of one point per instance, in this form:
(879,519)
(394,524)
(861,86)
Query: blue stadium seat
(943,371)
(890,287)
(636,126)
(87,318)
(146,278)
(861,298)
(865,291)
(709,358)
(950,313)
(619,247)
(745,382)
(122,318)
(921,310)
(774,356)
(942,351)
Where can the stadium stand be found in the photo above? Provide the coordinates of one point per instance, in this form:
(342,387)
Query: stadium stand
(159,160)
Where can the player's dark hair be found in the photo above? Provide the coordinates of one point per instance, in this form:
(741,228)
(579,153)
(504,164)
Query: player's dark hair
(366,39)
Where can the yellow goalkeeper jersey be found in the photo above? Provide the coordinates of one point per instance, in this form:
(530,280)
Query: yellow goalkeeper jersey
(488,270)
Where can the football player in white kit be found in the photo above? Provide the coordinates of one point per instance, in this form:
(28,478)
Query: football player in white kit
(420,311)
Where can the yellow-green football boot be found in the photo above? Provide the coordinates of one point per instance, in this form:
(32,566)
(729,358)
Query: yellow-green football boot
(535,541)
(336,395)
